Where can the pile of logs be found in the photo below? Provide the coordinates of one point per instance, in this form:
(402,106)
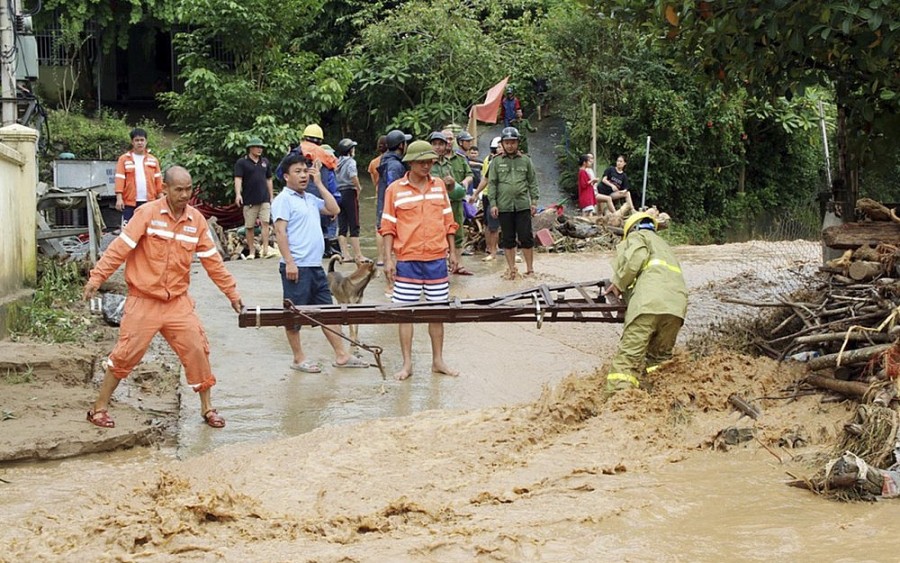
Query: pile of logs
(851,328)
(567,232)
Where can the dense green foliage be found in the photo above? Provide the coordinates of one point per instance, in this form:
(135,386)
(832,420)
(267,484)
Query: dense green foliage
(268,86)
(784,47)
(422,65)
(727,90)
(715,156)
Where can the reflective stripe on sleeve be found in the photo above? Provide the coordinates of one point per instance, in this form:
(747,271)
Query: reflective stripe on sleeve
(390,218)
(207,253)
(120,176)
(127,240)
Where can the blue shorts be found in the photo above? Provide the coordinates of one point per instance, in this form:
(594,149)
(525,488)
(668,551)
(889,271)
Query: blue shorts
(311,287)
(128,212)
(415,276)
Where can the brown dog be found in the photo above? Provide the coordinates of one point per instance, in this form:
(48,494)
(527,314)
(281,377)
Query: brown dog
(350,289)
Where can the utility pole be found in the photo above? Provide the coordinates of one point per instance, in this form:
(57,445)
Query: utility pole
(8,61)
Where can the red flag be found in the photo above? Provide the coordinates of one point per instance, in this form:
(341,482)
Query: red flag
(487,112)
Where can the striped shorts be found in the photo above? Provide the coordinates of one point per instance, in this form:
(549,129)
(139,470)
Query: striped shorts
(414,276)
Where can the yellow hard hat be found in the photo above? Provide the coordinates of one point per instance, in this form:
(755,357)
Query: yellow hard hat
(314,131)
(637,219)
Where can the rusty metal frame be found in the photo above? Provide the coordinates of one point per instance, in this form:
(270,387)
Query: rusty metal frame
(575,302)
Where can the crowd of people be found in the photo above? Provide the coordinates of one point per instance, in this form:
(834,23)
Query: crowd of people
(425,191)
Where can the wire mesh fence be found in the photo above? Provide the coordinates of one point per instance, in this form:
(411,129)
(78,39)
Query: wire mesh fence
(739,291)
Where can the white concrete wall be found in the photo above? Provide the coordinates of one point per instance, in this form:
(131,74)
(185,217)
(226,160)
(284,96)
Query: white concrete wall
(18,203)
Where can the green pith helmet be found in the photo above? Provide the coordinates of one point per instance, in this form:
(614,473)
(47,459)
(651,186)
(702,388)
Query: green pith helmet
(419,150)
(255,142)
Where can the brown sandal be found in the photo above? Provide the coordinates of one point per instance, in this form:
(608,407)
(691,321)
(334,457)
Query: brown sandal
(101,419)
(213,418)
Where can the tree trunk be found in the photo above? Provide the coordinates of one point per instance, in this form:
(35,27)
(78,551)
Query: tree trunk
(864,270)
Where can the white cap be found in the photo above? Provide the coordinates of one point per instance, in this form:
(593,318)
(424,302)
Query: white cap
(495,142)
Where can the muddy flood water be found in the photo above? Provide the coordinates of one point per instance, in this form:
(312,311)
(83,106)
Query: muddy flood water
(498,464)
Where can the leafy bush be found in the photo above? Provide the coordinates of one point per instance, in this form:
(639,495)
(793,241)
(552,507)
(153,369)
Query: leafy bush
(104,137)
(49,317)
(265,85)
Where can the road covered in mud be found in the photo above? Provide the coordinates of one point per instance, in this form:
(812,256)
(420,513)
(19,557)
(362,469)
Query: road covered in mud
(520,458)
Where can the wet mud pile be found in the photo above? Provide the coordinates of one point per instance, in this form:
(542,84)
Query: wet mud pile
(564,476)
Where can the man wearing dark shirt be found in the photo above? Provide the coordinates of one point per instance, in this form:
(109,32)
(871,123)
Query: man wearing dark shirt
(253,191)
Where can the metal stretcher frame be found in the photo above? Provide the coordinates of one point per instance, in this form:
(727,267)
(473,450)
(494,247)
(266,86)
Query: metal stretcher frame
(575,302)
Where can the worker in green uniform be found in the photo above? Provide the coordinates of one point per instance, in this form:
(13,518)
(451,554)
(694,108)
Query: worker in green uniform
(513,191)
(649,277)
(451,165)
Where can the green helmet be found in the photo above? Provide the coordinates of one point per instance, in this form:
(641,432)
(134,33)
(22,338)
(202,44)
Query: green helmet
(419,150)
(255,142)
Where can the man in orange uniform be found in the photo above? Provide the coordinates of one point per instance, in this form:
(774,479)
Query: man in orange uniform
(418,227)
(138,177)
(157,246)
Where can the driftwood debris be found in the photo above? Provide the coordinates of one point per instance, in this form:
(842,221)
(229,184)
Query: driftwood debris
(848,357)
(864,270)
(744,406)
(855,389)
(873,209)
(568,232)
(854,235)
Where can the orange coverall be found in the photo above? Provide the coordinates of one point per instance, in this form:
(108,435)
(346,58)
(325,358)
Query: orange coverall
(157,251)
(125,183)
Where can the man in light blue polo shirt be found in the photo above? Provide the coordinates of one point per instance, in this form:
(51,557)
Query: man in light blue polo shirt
(298,233)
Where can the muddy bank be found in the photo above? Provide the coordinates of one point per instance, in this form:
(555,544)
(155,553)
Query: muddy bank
(45,391)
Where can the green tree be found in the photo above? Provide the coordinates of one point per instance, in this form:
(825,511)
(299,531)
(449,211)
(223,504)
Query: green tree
(420,64)
(717,156)
(261,82)
(782,47)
